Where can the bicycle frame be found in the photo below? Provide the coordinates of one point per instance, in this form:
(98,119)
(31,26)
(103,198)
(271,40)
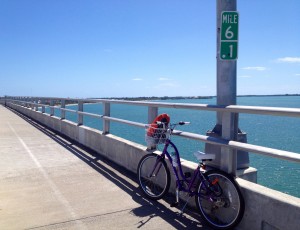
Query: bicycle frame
(179,175)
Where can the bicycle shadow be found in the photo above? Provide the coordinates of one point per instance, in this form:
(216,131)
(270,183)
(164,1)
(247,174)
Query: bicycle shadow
(174,218)
(126,180)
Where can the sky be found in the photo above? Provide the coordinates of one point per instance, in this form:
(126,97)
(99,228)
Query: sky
(135,48)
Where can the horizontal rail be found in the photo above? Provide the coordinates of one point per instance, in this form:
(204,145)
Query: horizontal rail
(90,114)
(278,111)
(137,124)
(286,155)
(67,110)
(262,110)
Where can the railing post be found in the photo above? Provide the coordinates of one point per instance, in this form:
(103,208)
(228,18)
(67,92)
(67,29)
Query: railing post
(4,98)
(43,107)
(36,106)
(228,158)
(80,116)
(106,112)
(27,104)
(31,103)
(152,114)
(63,112)
(51,108)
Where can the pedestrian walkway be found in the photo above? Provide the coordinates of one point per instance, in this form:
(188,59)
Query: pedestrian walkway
(50,182)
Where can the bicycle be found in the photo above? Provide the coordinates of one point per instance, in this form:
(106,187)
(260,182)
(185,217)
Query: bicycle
(217,194)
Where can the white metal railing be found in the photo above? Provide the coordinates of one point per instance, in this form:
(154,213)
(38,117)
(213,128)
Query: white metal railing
(52,103)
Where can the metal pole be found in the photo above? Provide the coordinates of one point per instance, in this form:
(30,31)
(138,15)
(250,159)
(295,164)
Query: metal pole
(226,92)
(226,70)
(227,123)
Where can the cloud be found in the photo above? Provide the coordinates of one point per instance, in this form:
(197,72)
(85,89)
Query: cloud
(289,60)
(258,68)
(137,79)
(297,74)
(163,79)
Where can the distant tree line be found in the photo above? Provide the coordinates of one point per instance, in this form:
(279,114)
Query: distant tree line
(159,98)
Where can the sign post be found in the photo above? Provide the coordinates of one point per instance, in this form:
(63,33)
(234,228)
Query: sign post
(226,126)
(229,35)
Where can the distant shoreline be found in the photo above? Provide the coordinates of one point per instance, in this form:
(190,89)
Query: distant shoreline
(159,98)
(188,97)
(73,100)
(272,95)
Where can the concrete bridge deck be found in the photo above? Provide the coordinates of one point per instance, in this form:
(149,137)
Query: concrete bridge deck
(50,182)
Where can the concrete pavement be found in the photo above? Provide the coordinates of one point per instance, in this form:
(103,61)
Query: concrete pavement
(49,182)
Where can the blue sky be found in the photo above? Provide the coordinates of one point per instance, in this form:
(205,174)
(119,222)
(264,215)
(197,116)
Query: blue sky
(118,48)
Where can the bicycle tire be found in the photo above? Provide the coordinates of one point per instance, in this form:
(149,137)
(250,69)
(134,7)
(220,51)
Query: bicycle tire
(227,209)
(154,187)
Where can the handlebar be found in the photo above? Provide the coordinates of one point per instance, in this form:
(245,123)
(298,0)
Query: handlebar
(162,126)
(184,123)
(174,124)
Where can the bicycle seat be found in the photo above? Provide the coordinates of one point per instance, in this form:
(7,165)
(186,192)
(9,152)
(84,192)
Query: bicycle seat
(201,156)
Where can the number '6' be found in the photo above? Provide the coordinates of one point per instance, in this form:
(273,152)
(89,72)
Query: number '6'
(229,34)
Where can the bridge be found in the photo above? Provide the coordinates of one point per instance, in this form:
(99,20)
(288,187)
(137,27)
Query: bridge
(49,181)
(59,174)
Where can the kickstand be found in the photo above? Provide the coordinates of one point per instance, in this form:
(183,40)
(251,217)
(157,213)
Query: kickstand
(176,203)
(181,211)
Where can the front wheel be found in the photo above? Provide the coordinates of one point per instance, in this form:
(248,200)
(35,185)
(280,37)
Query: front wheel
(220,201)
(153,176)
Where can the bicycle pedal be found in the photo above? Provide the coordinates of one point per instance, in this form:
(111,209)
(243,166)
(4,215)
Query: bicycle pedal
(175,204)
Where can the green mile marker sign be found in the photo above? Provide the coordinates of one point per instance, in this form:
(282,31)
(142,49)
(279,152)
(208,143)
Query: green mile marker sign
(229,35)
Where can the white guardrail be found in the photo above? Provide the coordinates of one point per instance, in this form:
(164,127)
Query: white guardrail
(60,103)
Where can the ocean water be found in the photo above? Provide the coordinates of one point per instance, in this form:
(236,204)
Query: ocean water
(270,131)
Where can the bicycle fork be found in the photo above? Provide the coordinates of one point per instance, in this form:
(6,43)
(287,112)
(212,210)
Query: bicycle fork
(156,168)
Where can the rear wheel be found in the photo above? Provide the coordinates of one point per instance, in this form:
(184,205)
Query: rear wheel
(220,203)
(153,176)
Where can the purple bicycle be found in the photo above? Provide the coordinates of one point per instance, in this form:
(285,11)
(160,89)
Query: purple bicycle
(217,194)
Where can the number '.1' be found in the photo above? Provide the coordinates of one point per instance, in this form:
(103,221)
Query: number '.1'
(230,51)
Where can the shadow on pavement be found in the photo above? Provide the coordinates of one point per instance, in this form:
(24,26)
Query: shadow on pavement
(126,180)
